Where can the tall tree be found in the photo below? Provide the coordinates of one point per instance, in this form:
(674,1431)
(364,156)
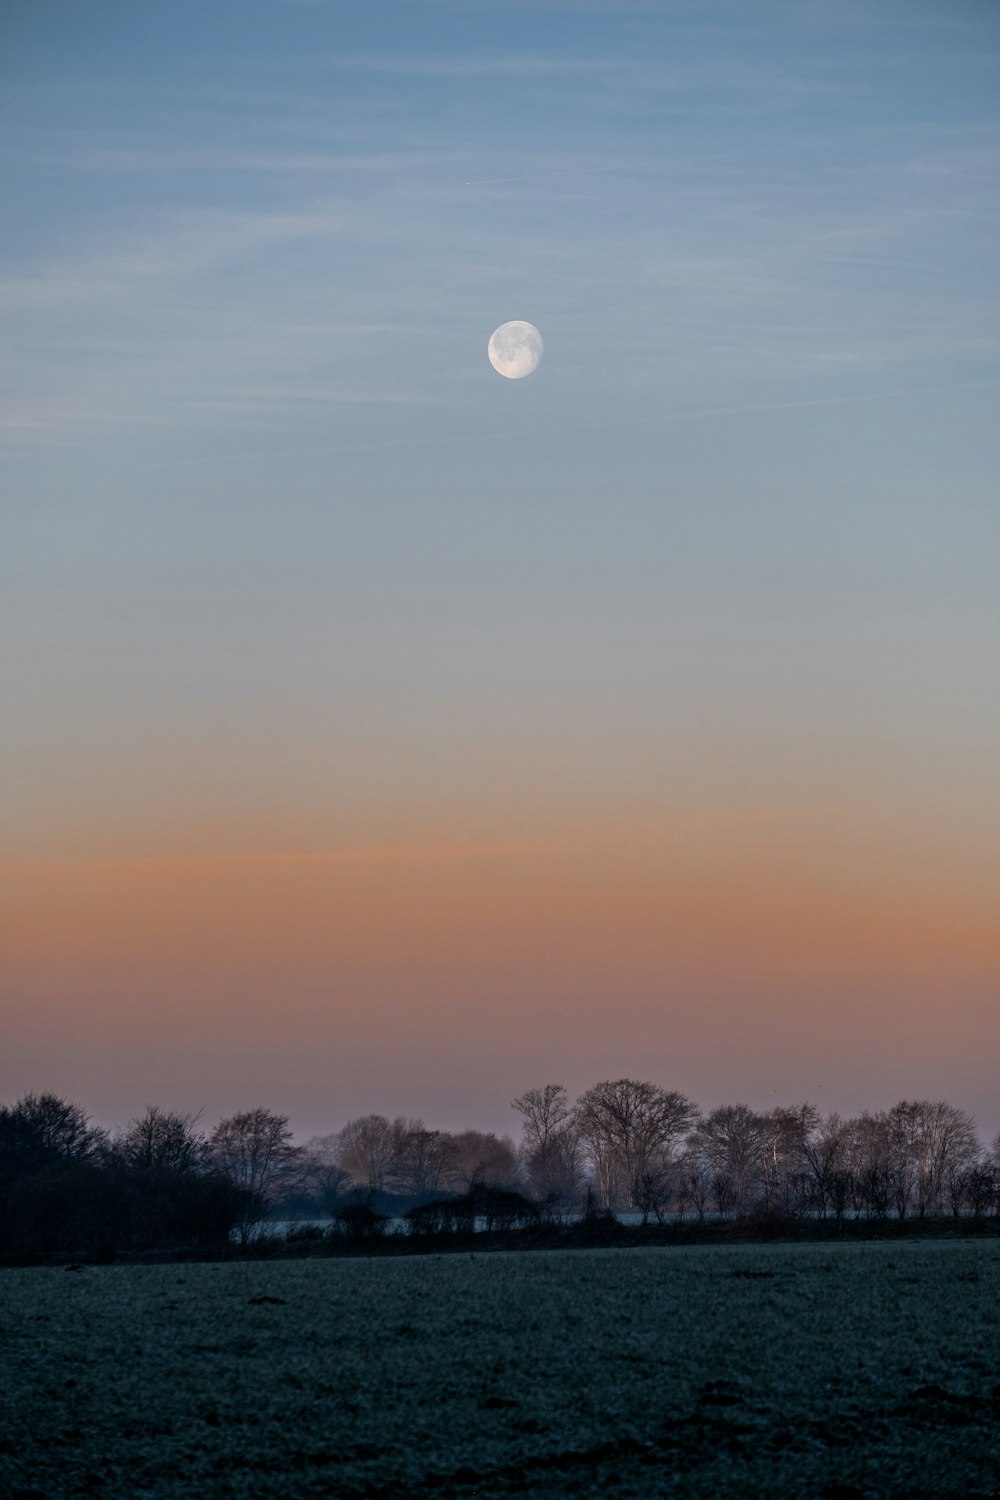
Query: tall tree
(422,1158)
(946,1148)
(42,1129)
(903,1129)
(551,1151)
(482,1159)
(324,1178)
(255,1151)
(546,1113)
(733,1140)
(825,1157)
(785,1173)
(867,1146)
(627,1127)
(50,1177)
(365,1151)
(161,1140)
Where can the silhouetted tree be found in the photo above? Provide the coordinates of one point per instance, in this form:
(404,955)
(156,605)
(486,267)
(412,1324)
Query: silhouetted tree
(970,1187)
(169,1196)
(324,1179)
(159,1184)
(481,1157)
(254,1150)
(946,1146)
(51,1186)
(785,1174)
(868,1147)
(654,1189)
(629,1128)
(359,1223)
(694,1181)
(43,1130)
(824,1152)
(422,1159)
(488,1208)
(733,1141)
(551,1150)
(160,1140)
(365,1151)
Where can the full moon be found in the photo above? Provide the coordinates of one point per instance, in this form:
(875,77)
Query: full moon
(515,349)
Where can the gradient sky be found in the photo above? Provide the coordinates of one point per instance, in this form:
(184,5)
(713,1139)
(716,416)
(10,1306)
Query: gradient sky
(381,734)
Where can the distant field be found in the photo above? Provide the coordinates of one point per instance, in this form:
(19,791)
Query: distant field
(795,1370)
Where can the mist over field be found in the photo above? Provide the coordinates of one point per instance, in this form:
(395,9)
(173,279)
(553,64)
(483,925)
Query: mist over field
(624,1147)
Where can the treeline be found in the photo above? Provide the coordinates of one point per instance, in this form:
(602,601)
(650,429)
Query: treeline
(623,1147)
(627,1146)
(160,1183)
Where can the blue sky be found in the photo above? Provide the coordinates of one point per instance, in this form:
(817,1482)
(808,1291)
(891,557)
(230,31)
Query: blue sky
(228,218)
(252,255)
(285,564)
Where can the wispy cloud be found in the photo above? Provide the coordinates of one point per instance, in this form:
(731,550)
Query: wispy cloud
(274,275)
(167,247)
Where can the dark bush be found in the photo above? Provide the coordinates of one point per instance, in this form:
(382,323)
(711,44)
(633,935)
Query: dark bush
(359,1223)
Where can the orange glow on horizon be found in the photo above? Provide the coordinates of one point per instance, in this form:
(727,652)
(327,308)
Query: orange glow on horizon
(743,896)
(758,942)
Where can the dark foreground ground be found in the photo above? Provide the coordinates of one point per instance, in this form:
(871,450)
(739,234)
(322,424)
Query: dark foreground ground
(754,1370)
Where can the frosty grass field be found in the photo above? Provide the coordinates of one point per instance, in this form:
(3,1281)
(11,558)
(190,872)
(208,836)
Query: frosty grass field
(819,1370)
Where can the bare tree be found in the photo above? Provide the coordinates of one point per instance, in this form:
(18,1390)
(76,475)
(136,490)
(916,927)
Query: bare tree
(551,1151)
(694,1181)
(991,1166)
(907,1158)
(403,1156)
(654,1189)
(50,1176)
(482,1159)
(946,1146)
(161,1140)
(558,1181)
(902,1154)
(41,1129)
(546,1113)
(324,1178)
(824,1153)
(733,1141)
(785,1171)
(868,1149)
(169,1192)
(365,1149)
(255,1151)
(629,1128)
(422,1158)
(970,1187)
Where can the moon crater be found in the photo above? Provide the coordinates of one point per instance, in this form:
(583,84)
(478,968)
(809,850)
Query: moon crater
(515,349)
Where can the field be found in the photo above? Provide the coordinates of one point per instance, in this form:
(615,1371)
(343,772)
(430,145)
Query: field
(812,1370)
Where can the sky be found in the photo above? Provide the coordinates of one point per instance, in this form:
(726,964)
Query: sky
(382,734)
